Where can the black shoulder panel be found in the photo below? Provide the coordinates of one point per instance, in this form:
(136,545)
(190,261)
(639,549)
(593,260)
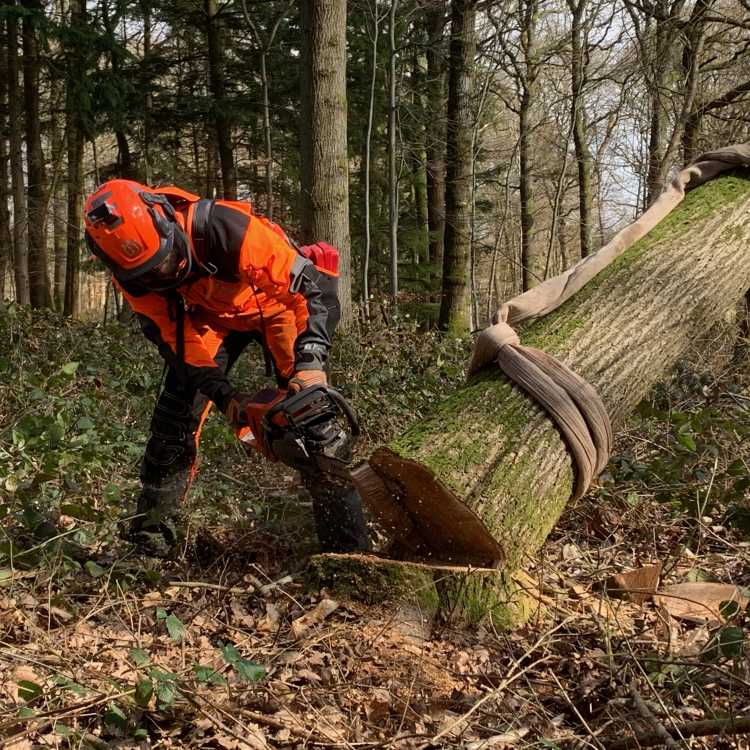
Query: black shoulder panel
(226,231)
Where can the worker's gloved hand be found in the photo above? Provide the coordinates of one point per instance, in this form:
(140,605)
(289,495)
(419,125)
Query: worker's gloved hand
(237,410)
(305,378)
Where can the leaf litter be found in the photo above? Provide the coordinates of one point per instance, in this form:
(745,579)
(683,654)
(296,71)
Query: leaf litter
(225,648)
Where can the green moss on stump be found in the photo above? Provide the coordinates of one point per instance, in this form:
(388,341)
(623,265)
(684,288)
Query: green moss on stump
(447,593)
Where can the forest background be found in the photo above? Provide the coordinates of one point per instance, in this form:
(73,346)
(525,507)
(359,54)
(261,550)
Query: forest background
(457,153)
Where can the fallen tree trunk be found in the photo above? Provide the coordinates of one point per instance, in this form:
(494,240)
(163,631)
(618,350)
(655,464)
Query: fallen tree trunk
(492,447)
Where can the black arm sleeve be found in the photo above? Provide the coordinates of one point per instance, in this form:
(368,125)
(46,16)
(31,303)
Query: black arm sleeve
(320,291)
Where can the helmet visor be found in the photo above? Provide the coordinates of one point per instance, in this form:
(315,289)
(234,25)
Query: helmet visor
(173,270)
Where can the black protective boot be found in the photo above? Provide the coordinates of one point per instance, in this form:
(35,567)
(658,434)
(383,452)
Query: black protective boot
(166,474)
(339,518)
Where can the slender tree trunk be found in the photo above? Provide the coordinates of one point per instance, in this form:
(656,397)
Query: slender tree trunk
(75,216)
(305,125)
(146,74)
(454,308)
(6,239)
(661,68)
(436,135)
(39,286)
(20,220)
(59,217)
(578,115)
(529,258)
(419,162)
(217,82)
(368,149)
(392,173)
(267,134)
(325,107)
(75,138)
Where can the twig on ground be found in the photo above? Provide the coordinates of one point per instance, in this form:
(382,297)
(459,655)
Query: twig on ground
(649,716)
(574,707)
(704,728)
(513,675)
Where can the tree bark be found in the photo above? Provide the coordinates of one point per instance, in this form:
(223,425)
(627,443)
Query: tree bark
(146,76)
(325,187)
(39,286)
(454,308)
(529,257)
(578,65)
(75,102)
(221,117)
(392,173)
(436,128)
(368,159)
(20,221)
(6,239)
(492,447)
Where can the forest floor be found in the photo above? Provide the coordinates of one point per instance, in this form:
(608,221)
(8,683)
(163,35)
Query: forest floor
(225,648)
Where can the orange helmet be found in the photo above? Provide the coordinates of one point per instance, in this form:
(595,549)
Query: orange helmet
(133,230)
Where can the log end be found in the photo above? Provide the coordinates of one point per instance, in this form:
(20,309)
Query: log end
(447,594)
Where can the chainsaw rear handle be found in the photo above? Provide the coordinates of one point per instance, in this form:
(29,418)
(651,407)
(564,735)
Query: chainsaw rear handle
(343,405)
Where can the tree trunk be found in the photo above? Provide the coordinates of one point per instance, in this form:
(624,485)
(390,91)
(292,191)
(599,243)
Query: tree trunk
(436,128)
(39,287)
(578,115)
(368,160)
(454,308)
(419,161)
(490,446)
(217,82)
(325,186)
(59,241)
(20,220)
(75,136)
(392,173)
(6,239)
(146,75)
(660,72)
(75,142)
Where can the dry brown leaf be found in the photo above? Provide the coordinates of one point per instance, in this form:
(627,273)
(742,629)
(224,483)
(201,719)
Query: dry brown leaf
(379,707)
(698,602)
(270,622)
(152,599)
(253,737)
(637,585)
(499,740)
(301,625)
(19,745)
(307,675)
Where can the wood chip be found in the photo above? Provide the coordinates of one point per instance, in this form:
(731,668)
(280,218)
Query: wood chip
(301,625)
(698,602)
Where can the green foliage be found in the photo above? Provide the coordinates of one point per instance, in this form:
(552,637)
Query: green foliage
(247,671)
(697,428)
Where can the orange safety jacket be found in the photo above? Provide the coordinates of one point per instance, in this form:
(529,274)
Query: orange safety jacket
(248,277)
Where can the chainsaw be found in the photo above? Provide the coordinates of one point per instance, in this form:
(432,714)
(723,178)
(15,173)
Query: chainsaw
(316,429)
(313,429)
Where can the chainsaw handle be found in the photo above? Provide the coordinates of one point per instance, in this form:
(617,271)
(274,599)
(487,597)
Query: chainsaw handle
(347,410)
(333,394)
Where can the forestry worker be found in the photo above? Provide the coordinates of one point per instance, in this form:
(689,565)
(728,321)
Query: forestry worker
(206,278)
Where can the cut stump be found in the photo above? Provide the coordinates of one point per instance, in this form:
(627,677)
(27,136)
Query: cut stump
(452,594)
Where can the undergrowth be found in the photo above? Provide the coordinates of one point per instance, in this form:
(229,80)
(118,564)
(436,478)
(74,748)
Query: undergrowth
(220,647)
